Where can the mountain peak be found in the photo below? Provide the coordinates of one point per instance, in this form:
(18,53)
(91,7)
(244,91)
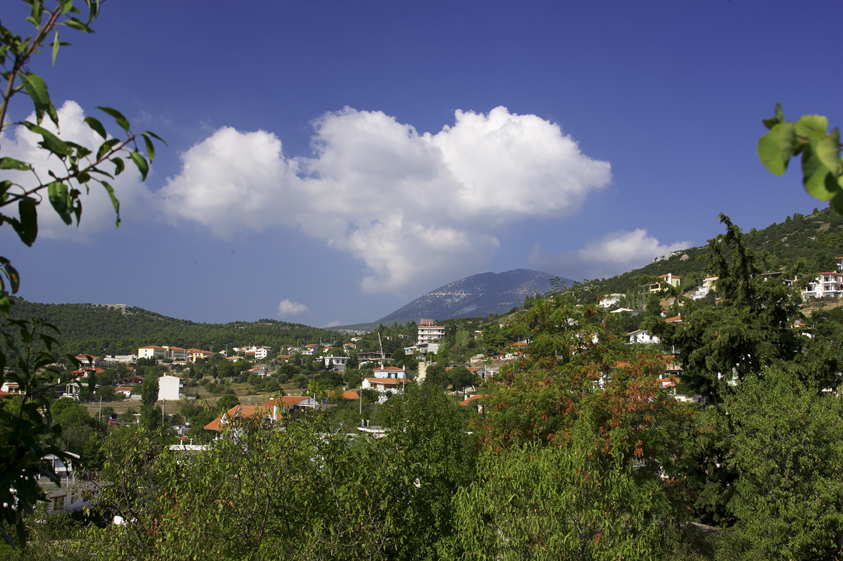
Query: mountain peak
(477,295)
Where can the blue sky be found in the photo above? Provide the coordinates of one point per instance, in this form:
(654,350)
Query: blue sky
(329,162)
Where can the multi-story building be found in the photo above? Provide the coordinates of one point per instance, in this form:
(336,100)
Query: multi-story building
(429,331)
(826,284)
(152,351)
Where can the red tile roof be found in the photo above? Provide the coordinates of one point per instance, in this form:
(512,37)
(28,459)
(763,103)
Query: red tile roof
(387,381)
(238,411)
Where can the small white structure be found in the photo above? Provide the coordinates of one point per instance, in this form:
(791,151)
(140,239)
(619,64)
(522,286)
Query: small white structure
(642,336)
(169,388)
(630,310)
(610,300)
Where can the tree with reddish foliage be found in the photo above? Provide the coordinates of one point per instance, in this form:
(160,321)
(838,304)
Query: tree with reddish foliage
(574,364)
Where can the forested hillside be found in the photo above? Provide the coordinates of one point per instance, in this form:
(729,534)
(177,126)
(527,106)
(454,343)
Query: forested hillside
(95,329)
(815,239)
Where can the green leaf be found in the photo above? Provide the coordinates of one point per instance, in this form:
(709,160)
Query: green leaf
(809,123)
(828,151)
(14,277)
(150,148)
(49,142)
(37,11)
(155,136)
(776,147)
(119,166)
(141,163)
(837,202)
(36,87)
(65,6)
(118,117)
(114,202)
(11,163)
(28,227)
(55,47)
(815,175)
(105,148)
(76,24)
(60,199)
(96,126)
(5,307)
(776,119)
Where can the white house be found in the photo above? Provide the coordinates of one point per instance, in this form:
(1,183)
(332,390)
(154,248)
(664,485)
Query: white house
(708,285)
(387,379)
(125,390)
(669,279)
(259,352)
(10,388)
(336,362)
(642,336)
(169,388)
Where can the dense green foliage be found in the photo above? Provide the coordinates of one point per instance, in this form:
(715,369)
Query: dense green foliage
(578,449)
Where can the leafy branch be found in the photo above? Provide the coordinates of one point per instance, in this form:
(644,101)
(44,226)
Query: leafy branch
(82,166)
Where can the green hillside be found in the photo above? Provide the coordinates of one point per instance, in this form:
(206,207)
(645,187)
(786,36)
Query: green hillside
(96,329)
(816,239)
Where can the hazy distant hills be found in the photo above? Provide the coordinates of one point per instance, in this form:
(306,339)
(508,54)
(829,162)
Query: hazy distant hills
(478,295)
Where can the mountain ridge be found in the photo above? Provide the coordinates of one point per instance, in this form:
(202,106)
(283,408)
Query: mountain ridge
(477,295)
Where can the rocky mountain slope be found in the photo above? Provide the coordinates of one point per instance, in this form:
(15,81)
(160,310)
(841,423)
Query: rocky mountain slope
(477,295)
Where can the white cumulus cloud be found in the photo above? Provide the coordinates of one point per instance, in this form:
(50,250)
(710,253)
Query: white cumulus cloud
(611,254)
(287,308)
(136,201)
(417,209)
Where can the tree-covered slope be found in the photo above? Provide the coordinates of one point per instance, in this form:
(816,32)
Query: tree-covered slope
(98,330)
(815,239)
